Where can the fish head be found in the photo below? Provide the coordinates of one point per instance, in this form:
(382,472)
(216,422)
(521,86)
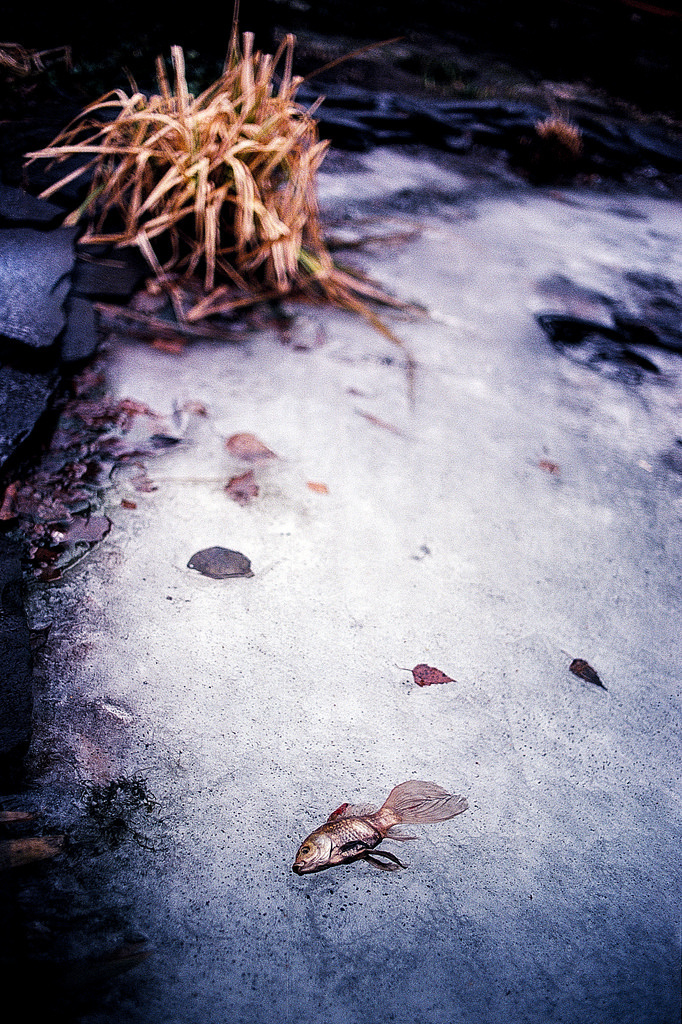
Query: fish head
(314,854)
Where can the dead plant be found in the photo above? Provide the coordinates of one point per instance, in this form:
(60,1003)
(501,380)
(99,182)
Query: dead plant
(562,135)
(220,187)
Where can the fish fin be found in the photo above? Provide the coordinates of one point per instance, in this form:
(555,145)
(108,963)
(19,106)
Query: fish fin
(340,812)
(373,858)
(351,811)
(398,836)
(423,802)
(357,846)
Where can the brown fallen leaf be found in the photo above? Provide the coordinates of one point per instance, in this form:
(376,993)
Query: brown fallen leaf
(142,483)
(7,510)
(380,423)
(242,488)
(318,487)
(424,675)
(581,668)
(7,817)
(220,563)
(249,448)
(16,852)
(127,503)
(549,467)
(173,346)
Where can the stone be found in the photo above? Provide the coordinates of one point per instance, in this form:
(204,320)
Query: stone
(80,339)
(24,398)
(17,206)
(34,282)
(105,272)
(16,682)
(347,132)
(656,146)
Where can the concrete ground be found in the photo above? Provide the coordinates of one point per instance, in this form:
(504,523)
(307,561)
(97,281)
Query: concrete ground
(523,511)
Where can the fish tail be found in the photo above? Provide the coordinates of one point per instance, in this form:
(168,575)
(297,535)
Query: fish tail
(422,802)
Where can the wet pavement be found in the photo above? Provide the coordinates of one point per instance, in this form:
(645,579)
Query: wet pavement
(521,511)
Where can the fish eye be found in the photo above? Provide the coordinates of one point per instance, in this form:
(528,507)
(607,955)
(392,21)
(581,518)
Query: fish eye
(304,849)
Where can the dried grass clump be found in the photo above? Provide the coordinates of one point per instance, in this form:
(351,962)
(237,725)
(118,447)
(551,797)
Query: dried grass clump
(220,187)
(562,135)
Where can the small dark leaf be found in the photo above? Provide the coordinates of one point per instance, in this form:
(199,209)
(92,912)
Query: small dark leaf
(424,675)
(583,670)
(160,441)
(220,563)
(142,483)
(242,488)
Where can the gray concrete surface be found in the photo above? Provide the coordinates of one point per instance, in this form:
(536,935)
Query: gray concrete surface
(254,707)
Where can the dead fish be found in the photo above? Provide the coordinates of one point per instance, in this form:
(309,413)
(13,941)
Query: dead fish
(350,833)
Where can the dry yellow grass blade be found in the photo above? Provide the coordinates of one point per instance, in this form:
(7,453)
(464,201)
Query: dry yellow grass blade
(222,186)
(17,60)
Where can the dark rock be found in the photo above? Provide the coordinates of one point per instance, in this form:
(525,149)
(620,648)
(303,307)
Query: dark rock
(671,458)
(18,207)
(601,348)
(461,143)
(34,282)
(16,683)
(220,563)
(350,97)
(577,298)
(636,331)
(606,140)
(656,146)
(104,272)
(564,329)
(80,338)
(345,131)
(659,303)
(356,119)
(24,398)
(479,108)
(385,121)
(488,135)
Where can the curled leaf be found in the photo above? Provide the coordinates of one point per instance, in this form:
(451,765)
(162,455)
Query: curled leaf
(17,852)
(425,675)
(579,667)
(220,563)
(242,488)
(249,448)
